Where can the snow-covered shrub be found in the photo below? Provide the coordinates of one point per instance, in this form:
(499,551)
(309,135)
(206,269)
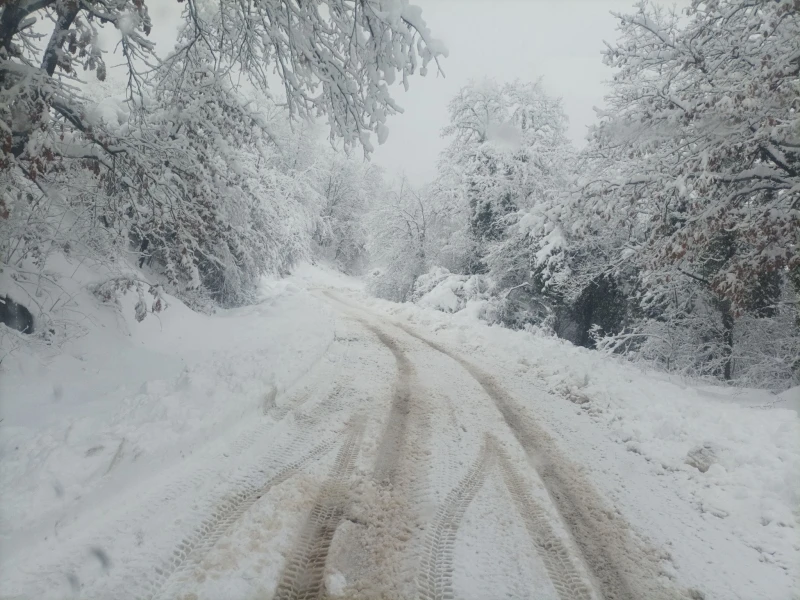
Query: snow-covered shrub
(690,339)
(448,292)
(395,280)
(767,350)
(426,282)
(111,290)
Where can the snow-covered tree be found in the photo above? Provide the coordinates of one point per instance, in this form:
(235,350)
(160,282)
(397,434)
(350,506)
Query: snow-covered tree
(696,185)
(210,191)
(506,169)
(214,202)
(474,163)
(334,58)
(403,231)
(706,115)
(507,152)
(348,187)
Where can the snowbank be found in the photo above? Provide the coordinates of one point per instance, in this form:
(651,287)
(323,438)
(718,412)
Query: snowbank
(95,416)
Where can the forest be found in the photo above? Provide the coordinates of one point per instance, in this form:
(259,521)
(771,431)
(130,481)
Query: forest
(672,238)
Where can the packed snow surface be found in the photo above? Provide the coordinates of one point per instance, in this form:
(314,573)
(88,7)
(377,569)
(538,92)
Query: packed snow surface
(322,442)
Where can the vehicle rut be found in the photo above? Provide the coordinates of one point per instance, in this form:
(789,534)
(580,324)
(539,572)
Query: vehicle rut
(303,575)
(395,434)
(196,545)
(563,573)
(435,579)
(248,489)
(604,539)
(384,558)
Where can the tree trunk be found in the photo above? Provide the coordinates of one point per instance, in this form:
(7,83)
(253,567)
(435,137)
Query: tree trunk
(587,316)
(727,338)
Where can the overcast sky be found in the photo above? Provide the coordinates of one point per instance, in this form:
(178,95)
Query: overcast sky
(558,40)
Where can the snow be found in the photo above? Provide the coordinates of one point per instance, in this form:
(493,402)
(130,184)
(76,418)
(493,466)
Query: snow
(100,435)
(98,419)
(731,531)
(441,290)
(336,584)
(110,111)
(128,22)
(790,399)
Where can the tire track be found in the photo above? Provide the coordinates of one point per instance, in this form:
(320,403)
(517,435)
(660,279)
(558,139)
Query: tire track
(303,575)
(563,573)
(190,500)
(247,489)
(396,432)
(379,552)
(190,552)
(623,567)
(150,582)
(435,580)
(194,547)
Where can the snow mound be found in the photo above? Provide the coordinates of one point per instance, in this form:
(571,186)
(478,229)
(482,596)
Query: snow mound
(442,290)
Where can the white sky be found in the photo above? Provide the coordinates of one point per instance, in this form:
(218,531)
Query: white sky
(558,40)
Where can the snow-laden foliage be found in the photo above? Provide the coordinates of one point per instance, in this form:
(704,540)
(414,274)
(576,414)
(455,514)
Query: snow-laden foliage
(224,198)
(499,190)
(700,135)
(506,157)
(42,101)
(194,171)
(694,190)
(450,293)
(334,57)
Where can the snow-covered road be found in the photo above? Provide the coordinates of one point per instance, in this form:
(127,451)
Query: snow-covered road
(393,467)
(418,477)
